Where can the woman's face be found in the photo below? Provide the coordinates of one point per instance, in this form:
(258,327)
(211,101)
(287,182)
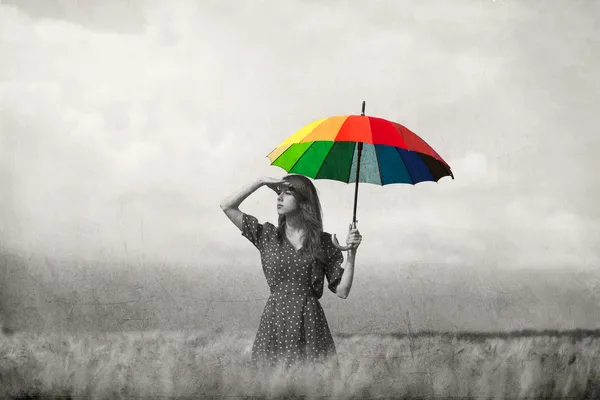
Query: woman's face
(286,202)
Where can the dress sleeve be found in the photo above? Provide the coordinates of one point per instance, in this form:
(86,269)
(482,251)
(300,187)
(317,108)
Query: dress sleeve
(254,231)
(333,267)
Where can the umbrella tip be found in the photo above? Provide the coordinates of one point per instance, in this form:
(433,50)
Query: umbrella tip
(363,108)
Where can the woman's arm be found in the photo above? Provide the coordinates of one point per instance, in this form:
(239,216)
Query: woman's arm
(354,239)
(343,288)
(230,204)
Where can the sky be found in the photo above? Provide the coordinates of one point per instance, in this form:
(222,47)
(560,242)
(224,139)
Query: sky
(124,124)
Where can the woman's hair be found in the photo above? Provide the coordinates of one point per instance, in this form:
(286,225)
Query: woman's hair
(311,218)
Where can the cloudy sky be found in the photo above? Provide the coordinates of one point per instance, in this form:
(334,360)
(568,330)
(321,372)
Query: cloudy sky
(124,124)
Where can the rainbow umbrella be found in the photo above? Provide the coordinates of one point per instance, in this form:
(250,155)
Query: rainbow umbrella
(359,148)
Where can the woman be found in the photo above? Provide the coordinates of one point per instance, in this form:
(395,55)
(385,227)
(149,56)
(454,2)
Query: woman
(296,256)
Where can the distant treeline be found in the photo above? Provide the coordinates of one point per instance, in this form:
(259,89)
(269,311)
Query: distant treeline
(575,334)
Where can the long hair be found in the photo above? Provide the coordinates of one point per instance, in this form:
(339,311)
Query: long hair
(311,217)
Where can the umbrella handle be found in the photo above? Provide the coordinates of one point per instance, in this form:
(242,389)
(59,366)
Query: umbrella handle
(337,244)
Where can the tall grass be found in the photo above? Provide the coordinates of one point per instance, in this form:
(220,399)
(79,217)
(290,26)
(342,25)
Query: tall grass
(205,364)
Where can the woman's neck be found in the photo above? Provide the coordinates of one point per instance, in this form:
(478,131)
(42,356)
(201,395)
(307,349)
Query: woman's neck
(293,223)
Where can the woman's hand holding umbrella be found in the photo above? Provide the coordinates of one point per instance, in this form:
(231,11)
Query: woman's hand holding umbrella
(352,241)
(354,238)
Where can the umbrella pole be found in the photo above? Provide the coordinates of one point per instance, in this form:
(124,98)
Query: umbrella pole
(360,146)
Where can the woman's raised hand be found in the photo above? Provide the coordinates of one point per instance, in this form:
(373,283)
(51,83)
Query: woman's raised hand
(272,183)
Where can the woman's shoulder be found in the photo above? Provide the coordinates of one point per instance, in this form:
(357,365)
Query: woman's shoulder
(325,235)
(266,224)
(326,240)
(270,225)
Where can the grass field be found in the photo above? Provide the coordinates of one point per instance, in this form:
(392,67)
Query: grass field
(209,364)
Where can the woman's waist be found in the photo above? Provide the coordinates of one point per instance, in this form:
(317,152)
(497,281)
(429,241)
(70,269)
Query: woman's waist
(299,290)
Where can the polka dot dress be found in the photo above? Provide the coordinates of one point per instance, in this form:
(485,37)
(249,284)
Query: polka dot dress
(293,327)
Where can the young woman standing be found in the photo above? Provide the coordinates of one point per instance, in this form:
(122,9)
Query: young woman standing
(296,256)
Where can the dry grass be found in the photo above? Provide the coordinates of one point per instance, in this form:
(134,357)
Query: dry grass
(202,364)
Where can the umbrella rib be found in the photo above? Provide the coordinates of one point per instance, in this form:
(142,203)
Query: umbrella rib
(378,165)
(405,166)
(323,163)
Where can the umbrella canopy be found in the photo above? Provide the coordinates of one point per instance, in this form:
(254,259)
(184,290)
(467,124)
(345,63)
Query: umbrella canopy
(391,153)
(359,148)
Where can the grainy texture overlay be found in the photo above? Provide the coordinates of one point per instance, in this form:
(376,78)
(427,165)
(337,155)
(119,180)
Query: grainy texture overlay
(123,124)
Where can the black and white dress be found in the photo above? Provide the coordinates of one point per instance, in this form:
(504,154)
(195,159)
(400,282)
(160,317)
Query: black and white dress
(293,326)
